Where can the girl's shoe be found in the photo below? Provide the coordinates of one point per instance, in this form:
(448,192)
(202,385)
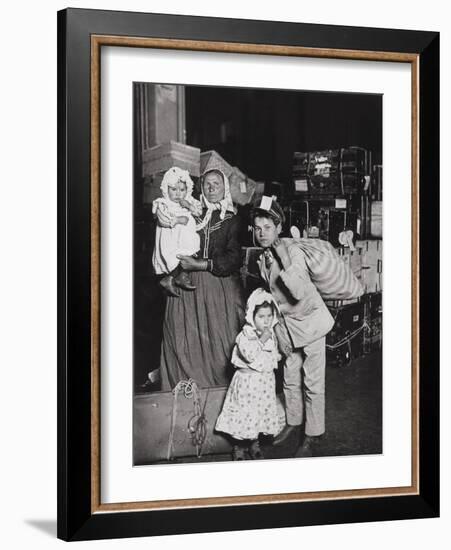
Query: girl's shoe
(254,451)
(238,453)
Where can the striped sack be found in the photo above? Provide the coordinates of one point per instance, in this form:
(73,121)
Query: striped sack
(332,277)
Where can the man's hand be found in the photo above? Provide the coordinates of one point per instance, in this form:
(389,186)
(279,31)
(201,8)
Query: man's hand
(283,340)
(189,263)
(281,250)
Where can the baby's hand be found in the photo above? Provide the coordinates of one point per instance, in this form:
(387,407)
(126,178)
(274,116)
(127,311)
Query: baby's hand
(185,204)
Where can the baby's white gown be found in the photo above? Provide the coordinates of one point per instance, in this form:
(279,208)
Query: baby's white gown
(170,241)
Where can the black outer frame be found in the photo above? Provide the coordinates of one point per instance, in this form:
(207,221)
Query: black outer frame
(75,520)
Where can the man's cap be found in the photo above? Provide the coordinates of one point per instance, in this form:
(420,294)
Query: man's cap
(268,207)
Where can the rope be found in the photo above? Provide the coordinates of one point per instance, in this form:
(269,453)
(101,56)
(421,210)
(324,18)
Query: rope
(197,424)
(348,338)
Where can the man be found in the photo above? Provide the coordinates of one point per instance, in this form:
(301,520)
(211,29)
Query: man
(302,330)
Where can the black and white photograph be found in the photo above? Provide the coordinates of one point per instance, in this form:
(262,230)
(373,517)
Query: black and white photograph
(225,299)
(257,273)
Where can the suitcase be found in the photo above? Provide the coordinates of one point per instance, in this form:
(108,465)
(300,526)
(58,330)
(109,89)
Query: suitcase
(311,217)
(373,315)
(153,416)
(324,172)
(332,172)
(344,342)
(354,166)
(354,160)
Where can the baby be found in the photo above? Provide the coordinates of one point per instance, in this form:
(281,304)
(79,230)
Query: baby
(176,207)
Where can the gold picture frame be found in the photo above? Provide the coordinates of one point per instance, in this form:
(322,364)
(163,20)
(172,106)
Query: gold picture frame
(82,515)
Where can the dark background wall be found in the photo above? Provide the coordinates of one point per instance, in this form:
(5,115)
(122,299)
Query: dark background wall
(259,130)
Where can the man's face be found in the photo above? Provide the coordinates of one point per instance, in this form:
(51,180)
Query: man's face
(266,231)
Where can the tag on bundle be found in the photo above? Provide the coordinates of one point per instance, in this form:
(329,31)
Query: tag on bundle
(345,239)
(266,203)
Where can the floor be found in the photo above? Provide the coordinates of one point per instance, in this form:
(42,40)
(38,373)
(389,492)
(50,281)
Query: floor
(353,414)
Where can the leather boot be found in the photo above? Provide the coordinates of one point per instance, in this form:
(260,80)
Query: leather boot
(308,447)
(183,280)
(285,434)
(168,284)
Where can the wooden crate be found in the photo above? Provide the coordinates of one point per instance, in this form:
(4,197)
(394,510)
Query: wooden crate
(160,158)
(371,252)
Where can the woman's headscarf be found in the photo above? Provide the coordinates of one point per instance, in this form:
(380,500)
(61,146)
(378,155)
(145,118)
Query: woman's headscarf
(258,297)
(224,205)
(174,175)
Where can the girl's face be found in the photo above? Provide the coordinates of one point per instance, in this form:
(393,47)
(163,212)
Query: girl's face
(263,318)
(177,191)
(213,187)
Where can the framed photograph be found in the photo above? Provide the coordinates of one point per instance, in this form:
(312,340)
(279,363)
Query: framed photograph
(248,274)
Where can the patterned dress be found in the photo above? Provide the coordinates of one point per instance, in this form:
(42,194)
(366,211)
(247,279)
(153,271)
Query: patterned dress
(250,404)
(200,327)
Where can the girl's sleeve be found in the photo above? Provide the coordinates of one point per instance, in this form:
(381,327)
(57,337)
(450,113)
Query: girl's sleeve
(161,211)
(156,205)
(227,260)
(249,347)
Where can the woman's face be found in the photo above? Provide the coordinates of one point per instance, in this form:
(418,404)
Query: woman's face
(213,187)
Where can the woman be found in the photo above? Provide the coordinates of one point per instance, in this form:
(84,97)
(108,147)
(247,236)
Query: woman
(200,327)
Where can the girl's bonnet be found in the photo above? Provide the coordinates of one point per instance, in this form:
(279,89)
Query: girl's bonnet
(258,297)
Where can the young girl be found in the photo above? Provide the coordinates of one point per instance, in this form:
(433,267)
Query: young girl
(250,404)
(177,207)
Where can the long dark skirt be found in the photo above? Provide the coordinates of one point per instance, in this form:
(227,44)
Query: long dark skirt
(199,331)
